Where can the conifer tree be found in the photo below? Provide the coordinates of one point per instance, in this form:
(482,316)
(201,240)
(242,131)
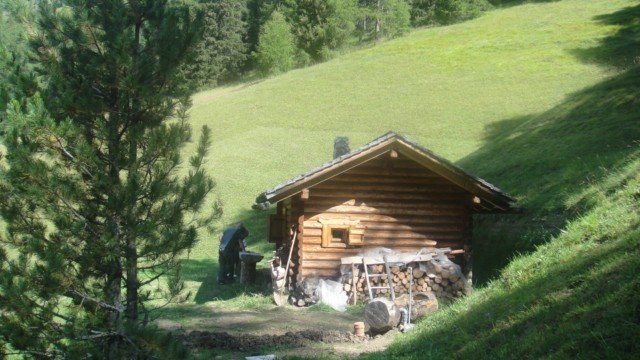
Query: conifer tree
(97,202)
(321,25)
(222,52)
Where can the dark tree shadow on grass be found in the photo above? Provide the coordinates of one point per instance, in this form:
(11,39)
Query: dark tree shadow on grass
(622,49)
(549,160)
(205,271)
(555,163)
(509,3)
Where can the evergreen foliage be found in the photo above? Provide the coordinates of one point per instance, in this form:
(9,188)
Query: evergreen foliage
(442,12)
(258,13)
(276,50)
(96,204)
(383,19)
(17,78)
(321,25)
(222,52)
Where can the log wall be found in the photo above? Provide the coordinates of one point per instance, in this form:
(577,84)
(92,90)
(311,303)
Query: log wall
(399,203)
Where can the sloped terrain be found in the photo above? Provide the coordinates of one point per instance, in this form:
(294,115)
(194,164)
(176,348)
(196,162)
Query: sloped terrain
(541,99)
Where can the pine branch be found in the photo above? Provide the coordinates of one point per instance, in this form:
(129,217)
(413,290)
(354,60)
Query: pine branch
(100,303)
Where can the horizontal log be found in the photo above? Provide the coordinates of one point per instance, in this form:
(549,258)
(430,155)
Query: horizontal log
(435,224)
(380,171)
(348,209)
(392,242)
(321,264)
(312,255)
(441,233)
(350,251)
(390,179)
(401,159)
(331,273)
(365,196)
(387,222)
(395,164)
(314,247)
(342,185)
(396,204)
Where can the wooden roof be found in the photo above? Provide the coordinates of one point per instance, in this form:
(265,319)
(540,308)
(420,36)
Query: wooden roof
(492,199)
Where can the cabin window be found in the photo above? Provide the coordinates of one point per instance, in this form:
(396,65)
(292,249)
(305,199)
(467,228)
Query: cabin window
(335,235)
(338,235)
(341,236)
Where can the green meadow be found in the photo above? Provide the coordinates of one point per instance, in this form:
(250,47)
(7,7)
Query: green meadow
(541,99)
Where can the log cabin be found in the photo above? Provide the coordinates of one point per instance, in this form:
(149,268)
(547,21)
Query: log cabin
(389,193)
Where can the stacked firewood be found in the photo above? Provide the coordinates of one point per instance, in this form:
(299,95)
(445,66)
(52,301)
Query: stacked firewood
(443,279)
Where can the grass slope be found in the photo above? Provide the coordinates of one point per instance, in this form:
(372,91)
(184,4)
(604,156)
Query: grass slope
(576,167)
(540,99)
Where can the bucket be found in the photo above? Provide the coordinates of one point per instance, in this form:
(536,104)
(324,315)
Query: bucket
(358,328)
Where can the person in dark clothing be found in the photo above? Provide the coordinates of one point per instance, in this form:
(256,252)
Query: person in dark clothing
(231,244)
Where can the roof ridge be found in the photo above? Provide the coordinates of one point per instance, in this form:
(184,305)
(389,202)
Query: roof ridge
(445,164)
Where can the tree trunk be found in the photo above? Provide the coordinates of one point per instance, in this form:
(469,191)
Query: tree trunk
(114,272)
(131,252)
(378,20)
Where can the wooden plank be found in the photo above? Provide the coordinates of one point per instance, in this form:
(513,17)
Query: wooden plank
(397,204)
(386,196)
(404,219)
(391,242)
(431,225)
(321,255)
(322,264)
(390,258)
(324,273)
(388,179)
(401,234)
(395,172)
(372,186)
(309,247)
(348,209)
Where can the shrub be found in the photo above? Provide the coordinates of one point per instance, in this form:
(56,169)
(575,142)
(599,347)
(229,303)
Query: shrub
(276,51)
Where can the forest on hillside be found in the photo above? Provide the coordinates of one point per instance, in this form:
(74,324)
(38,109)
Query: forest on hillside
(98,205)
(115,173)
(244,37)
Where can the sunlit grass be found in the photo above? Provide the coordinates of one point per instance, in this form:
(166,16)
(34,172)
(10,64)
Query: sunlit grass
(529,97)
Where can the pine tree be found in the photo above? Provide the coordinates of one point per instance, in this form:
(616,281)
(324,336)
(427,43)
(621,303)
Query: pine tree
(321,25)
(222,52)
(97,204)
(16,75)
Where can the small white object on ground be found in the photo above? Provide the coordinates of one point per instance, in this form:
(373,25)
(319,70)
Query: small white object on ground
(331,293)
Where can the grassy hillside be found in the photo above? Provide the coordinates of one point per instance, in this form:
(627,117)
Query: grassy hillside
(540,99)
(576,168)
(575,297)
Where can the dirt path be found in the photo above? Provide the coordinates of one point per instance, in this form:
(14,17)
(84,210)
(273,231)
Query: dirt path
(284,331)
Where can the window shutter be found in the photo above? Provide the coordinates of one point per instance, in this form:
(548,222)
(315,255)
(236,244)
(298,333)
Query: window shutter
(277,228)
(356,236)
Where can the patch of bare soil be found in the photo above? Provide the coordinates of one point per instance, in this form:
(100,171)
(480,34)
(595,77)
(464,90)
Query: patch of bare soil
(285,331)
(247,342)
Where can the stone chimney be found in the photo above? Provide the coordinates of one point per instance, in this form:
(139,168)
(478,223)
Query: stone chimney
(340,146)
